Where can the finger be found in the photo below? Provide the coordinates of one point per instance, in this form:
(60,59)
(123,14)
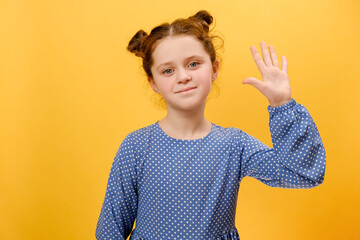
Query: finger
(284,64)
(273,56)
(258,60)
(265,54)
(253,82)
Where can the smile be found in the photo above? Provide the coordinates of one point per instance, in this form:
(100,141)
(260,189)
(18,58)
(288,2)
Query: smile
(186,90)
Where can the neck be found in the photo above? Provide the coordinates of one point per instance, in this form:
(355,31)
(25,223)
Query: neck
(185,124)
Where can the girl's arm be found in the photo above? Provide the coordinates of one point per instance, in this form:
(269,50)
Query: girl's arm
(119,209)
(298,157)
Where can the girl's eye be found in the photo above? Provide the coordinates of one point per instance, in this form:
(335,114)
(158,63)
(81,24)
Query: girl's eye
(193,64)
(168,71)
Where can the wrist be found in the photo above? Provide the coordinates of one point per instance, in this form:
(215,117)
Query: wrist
(283,108)
(279,102)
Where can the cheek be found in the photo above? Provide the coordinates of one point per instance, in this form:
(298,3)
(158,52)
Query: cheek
(163,85)
(206,76)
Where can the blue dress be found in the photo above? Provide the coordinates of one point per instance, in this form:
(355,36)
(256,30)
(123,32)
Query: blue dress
(187,189)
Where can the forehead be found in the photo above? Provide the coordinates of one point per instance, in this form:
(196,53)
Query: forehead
(176,48)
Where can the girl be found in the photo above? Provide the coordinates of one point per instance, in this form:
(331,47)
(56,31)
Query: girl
(179,177)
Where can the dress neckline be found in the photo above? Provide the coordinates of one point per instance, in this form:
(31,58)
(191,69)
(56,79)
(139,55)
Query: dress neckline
(181,139)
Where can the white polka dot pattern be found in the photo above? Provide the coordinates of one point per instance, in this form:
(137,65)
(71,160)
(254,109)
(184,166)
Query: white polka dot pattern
(187,189)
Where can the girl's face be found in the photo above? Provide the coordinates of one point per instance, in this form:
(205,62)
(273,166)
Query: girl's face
(182,72)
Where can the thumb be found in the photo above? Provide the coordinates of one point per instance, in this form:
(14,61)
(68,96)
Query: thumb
(253,82)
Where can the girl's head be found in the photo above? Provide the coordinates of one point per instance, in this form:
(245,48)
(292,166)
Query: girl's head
(143,45)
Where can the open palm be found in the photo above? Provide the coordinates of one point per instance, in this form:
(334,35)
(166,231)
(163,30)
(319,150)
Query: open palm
(275,85)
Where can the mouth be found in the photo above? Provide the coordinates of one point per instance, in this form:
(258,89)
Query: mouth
(186,90)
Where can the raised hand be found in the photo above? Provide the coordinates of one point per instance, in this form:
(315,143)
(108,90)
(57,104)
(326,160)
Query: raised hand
(275,85)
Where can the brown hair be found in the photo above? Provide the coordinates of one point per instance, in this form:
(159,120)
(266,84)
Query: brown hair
(143,45)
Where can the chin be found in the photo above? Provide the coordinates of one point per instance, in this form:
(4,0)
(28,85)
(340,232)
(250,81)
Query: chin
(190,106)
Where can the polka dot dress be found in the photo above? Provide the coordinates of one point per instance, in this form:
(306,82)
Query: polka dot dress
(187,189)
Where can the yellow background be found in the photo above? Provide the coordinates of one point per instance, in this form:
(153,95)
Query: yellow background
(70,92)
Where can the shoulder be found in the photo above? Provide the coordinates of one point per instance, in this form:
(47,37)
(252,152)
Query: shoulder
(233,139)
(226,131)
(138,139)
(228,134)
(235,136)
(140,135)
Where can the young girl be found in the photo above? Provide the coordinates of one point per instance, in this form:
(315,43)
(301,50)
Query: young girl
(179,177)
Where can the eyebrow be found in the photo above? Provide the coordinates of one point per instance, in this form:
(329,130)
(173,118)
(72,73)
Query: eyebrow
(186,60)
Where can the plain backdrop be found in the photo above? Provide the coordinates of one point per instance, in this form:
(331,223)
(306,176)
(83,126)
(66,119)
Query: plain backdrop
(70,93)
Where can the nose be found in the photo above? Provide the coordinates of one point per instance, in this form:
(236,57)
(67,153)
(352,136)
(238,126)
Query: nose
(183,76)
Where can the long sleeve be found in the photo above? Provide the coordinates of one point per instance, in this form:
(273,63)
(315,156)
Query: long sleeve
(297,159)
(119,209)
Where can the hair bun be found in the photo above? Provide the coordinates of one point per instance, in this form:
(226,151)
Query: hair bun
(135,44)
(205,19)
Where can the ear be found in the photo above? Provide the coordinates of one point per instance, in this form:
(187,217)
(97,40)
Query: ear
(153,84)
(215,69)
